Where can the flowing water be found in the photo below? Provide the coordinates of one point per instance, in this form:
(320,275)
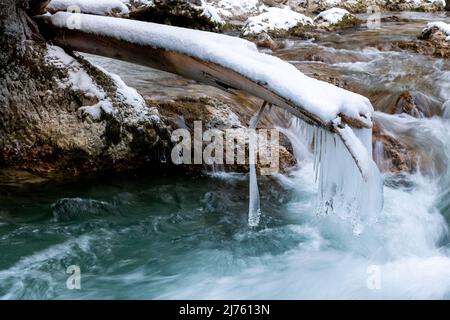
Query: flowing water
(172,236)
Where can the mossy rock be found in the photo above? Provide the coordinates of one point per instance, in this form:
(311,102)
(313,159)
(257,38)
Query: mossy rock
(348,21)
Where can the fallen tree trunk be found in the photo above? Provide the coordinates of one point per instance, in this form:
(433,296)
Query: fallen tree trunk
(222,61)
(197,55)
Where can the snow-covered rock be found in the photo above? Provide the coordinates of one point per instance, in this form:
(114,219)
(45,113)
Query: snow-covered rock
(439,25)
(364,6)
(99,7)
(413,5)
(336,17)
(275,20)
(434,40)
(194,14)
(353,6)
(332,16)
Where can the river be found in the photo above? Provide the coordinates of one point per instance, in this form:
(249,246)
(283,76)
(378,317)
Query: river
(183,235)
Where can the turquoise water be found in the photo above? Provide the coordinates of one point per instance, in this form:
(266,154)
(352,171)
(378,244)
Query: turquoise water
(131,244)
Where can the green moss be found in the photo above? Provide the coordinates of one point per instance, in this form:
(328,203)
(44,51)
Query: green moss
(348,21)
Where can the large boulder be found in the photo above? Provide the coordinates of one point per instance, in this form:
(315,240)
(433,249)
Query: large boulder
(220,114)
(82,119)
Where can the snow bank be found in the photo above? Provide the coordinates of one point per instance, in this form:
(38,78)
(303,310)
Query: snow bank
(442,26)
(99,7)
(321,99)
(275,19)
(332,16)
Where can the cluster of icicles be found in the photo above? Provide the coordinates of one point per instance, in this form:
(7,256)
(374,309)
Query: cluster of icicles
(342,190)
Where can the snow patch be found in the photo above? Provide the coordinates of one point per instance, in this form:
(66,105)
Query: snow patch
(99,7)
(211,13)
(275,19)
(95,111)
(140,111)
(79,79)
(321,99)
(235,8)
(333,2)
(332,16)
(138,3)
(342,190)
(442,26)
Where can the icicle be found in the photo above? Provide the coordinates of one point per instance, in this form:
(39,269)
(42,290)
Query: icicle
(349,182)
(254,209)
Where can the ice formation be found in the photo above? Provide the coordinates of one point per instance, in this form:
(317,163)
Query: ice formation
(442,26)
(349,182)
